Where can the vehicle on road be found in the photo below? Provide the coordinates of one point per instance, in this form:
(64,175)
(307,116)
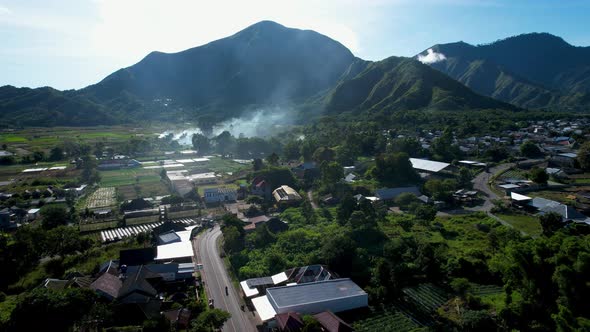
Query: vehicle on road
(211,305)
(226,291)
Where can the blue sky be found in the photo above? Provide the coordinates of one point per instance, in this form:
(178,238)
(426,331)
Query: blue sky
(69,44)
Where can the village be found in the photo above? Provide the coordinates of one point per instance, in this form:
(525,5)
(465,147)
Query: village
(170,202)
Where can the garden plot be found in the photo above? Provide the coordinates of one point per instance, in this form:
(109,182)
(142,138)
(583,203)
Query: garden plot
(426,296)
(388,319)
(102,197)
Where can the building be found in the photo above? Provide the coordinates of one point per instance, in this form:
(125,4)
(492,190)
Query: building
(565,159)
(220,195)
(386,194)
(567,213)
(429,166)
(261,187)
(177,246)
(311,298)
(33,214)
(286,194)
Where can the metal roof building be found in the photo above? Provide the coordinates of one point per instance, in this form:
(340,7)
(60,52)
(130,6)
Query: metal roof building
(335,295)
(428,165)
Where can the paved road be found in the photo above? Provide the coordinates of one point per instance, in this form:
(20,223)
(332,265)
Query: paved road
(216,278)
(481,183)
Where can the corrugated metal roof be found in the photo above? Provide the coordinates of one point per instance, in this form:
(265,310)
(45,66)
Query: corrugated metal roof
(286,296)
(428,165)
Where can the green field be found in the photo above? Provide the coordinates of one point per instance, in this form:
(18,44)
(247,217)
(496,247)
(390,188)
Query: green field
(524,223)
(129,176)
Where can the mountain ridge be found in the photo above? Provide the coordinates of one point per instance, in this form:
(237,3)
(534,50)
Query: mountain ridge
(522,70)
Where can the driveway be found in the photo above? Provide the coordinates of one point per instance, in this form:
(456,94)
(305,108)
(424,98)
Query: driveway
(481,183)
(216,278)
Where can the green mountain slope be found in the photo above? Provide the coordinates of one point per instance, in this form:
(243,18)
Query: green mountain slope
(49,107)
(263,64)
(404,84)
(536,70)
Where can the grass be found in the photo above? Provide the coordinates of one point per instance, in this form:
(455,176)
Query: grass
(524,223)
(221,165)
(6,308)
(123,177)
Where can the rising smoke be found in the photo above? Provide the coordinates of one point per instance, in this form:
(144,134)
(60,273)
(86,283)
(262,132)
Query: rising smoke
(431,57)
(257,123)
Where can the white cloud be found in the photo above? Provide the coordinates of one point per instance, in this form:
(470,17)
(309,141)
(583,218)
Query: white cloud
(431,57)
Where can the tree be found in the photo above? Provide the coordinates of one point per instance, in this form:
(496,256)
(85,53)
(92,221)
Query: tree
(273,159)
(257,164)
(210,320)
(201,143)
(338,252)
(584,156)
(425,212)
(223,143)
(38,156)
(551,223)
(529,149)
(404,200)
(464,178)
(322,154)
(291,150)
(53,216)
(538,175)
(331,173)
(59,309)
(56,153)
(394,169)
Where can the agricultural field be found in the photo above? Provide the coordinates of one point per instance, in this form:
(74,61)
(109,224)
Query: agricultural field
(513,174)
(102,197)
(529,225)
(46,138)
(490,294)
(385,319)
(428,297)
(128,176)
(98,226)
(145,189)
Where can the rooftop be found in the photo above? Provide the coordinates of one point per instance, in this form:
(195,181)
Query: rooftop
(428,165)
(287,296)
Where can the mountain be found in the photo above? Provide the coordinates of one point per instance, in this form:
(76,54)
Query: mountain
(398,83)
(263,64)
(536,70)
(21,107)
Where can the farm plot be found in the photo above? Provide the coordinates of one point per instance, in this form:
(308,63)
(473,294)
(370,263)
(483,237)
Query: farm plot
(426,296)
(102,197)
(389,319)
(124,177)
(481,290)
(97,226)
(513,174)
(150,189)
